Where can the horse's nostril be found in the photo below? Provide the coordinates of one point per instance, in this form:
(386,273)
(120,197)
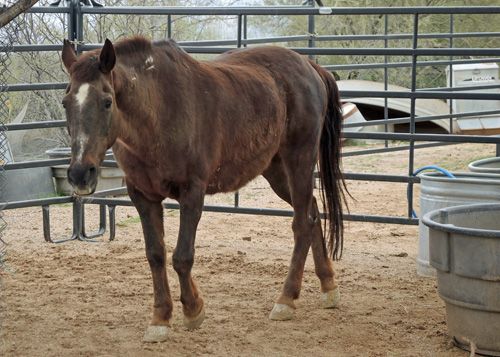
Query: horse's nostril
(89,175)
(81,175)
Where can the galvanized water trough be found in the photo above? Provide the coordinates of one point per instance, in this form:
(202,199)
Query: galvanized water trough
(109,177)
(486,166)
(465,250)
(439,191)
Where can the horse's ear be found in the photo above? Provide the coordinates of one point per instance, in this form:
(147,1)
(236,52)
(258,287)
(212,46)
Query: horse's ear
(68,54)
(107,59)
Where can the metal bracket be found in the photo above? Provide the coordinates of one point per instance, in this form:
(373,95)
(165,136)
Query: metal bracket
(77,42)
(79,232)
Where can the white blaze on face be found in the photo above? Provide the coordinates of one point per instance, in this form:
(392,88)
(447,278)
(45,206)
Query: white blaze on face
(82,94)
(82,142)
(82,139)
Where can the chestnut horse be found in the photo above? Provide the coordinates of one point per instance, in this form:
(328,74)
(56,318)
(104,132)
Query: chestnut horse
(182,128)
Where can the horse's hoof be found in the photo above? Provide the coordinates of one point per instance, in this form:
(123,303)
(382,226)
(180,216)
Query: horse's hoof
(156,333)
(330,299)
(194,322)
(281,312)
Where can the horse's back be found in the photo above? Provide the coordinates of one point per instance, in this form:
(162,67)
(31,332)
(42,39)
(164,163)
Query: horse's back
(298,82)
(293,73)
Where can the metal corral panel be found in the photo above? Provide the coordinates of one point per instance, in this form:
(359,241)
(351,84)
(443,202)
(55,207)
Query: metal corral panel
(470,75)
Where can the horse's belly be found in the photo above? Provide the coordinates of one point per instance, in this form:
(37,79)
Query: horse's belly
(232,175)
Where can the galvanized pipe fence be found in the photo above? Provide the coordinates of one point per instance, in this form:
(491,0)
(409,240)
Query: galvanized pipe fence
(76,13)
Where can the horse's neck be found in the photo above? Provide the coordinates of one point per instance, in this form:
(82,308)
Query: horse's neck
(140,106)
(129,100)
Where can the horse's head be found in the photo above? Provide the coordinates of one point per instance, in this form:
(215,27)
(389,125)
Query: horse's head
(89,103)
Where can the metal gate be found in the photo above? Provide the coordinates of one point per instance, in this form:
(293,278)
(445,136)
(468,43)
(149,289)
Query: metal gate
(76,14)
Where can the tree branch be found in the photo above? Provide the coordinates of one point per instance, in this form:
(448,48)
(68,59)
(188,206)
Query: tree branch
(10,13)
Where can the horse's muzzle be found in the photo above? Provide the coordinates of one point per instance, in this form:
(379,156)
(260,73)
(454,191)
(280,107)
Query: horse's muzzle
(83,178)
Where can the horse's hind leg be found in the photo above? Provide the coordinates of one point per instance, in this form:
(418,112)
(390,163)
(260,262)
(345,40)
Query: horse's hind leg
(151,214)
(307,231)
(323,265)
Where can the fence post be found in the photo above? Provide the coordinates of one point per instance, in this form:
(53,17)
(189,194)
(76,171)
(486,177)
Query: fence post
(245,30)
(169,26)
(451,70)
(240,30)
(79,26)
(411,158)
(311,29)
(386,77)
(72,21)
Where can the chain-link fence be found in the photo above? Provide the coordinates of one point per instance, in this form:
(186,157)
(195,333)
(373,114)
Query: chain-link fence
(5,61)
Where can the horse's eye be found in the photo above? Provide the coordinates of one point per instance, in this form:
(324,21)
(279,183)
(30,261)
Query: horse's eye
(107,103)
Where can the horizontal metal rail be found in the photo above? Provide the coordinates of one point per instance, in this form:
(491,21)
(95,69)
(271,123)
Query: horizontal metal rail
(378,65)
(403,120)
(260,211)
(402,36)
(379,177)
(397,51)
(37,202)
(334,51)
(49,10)
(206,208)
(483,139)
(338,67)
(274,10)
(35,163)
(393,149)
(35,125)
(18,87)
(349,94)
(36,48)
(419,119)
(22,87)
(49,162)
(460,89)
(346,94)
(277,39)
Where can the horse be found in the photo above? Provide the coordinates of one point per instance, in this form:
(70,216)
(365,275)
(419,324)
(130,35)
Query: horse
(182,128)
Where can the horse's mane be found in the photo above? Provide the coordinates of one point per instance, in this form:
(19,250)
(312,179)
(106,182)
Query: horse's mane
(132,45)
(87,66)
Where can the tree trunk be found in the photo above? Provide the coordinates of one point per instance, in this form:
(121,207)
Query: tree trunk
(7,14)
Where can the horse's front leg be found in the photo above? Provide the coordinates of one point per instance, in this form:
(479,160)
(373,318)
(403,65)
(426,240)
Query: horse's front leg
(191,205)
(151,214)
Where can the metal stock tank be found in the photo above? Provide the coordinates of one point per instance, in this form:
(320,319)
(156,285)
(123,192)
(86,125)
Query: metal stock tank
(465,250)
(439,191)
(486,166)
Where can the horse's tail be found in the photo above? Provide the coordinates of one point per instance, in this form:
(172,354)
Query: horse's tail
(331,178)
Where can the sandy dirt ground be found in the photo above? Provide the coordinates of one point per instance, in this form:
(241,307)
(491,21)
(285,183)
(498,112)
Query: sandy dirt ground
(95,299)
